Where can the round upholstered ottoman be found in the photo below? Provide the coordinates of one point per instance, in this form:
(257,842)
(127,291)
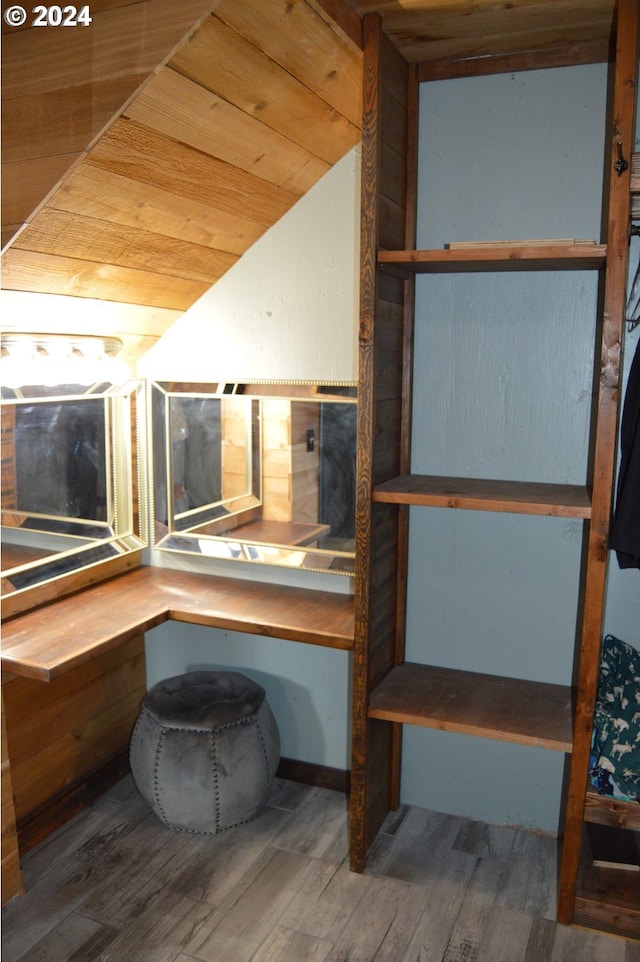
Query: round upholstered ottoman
(204,750)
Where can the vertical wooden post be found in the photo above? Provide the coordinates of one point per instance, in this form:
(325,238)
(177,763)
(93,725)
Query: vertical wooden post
(615,282)
(382,451)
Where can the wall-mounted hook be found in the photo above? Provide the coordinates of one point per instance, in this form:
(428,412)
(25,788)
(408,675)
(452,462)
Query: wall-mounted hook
(620,165)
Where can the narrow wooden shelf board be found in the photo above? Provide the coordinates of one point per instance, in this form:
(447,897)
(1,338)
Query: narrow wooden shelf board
(52,640)
(517,497)
(605,810)
(536,257)
(609,906)
(507,709)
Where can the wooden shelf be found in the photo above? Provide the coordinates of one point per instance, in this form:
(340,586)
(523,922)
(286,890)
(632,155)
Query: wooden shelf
(476,494)
(607,898)
(507,709)
(50,641)
(604,810)
(536,257)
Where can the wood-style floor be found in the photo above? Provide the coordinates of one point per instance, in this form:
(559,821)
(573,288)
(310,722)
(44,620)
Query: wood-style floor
(114,884)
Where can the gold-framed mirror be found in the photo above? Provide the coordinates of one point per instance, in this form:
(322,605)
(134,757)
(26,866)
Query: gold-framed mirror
(74,490)
(260,473)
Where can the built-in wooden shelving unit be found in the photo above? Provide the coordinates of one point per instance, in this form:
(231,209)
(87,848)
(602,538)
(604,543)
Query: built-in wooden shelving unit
(388,691)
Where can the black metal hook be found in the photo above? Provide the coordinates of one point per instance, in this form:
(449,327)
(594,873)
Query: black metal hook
(621,164)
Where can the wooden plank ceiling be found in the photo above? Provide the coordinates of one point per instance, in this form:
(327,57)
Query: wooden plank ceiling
(144,154)
(444,30)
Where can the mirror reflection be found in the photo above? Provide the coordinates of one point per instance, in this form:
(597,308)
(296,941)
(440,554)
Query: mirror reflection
(258,473)
(67,501)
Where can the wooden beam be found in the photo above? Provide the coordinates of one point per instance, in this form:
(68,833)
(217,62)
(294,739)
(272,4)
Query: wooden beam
(569,55)
(614,309)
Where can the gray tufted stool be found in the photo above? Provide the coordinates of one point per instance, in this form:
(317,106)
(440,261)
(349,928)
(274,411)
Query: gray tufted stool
(204,750)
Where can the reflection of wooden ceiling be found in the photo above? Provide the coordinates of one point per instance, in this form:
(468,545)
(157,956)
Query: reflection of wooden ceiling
(144,154)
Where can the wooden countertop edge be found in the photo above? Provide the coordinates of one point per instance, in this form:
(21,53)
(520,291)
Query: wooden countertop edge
(49,670)
(147,597)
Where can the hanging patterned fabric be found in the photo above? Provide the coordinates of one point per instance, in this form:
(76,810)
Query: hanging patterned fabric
(615,751)
(625,536)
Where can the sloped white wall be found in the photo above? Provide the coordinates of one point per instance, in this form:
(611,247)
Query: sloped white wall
(287,309)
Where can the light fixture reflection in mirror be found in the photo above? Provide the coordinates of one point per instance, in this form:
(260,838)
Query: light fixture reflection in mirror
(51,359)
(73,488)
(260,473)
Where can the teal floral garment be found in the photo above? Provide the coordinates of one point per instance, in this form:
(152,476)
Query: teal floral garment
(615,757)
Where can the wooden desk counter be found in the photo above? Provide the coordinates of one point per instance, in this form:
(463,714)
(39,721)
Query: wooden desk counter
(50,641)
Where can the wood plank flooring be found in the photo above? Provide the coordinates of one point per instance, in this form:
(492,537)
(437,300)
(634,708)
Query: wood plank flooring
(114,885)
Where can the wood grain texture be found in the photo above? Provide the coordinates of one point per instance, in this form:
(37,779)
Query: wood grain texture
(452,30)
(93,192)
(129,39)
(370,173)
(115,883)
(24,270)
(61,88)
(49,591)
(64,234)
(25,184)
(564,55)
(479,494)
(58,733)
(218,57)
(12,883)
(40,645)
(62,121)
(604,810)
(578,257)
(238,115)
(136,151)
(382,341)
(173,105)
(604,451)
(293,35)
(282,75)
(529,713)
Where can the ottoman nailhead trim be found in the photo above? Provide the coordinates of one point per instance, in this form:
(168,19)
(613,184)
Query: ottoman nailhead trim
(156,769)
(216,787)
(263,743)
(203,831)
